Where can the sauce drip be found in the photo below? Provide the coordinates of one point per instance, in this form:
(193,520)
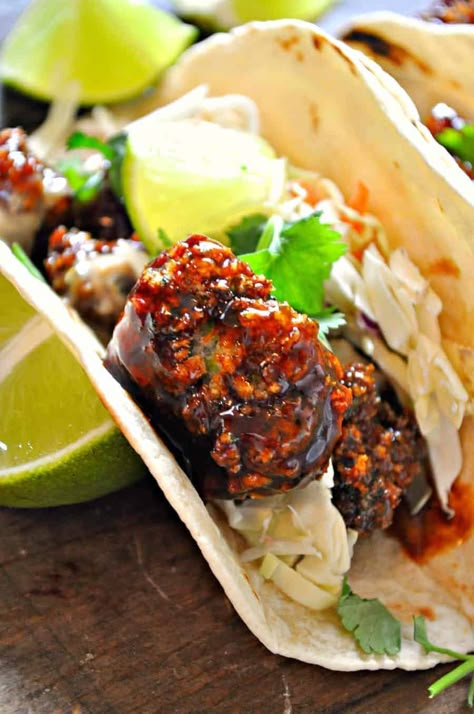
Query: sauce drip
(431,532)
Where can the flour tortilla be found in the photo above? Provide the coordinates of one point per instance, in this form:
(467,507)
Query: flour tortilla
(433,62)
(325,110)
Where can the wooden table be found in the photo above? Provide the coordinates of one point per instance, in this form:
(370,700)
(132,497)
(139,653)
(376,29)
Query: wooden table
(109,607)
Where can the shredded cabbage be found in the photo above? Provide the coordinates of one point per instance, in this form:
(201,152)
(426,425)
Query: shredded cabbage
(302,538)
(394,294)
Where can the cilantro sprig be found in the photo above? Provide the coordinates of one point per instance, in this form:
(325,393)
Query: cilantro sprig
(459,142)
(245,235)
(377,631)
(86,184)
(297,257)
(459,672)
(80,140)
(373,626)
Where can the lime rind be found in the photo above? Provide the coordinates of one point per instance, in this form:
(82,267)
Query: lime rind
(247,10)
(218,15)
(112,49)
(36,420)
(58,443)
(103,465)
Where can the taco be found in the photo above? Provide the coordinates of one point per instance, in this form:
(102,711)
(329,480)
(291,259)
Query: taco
(305,86)
(430,56)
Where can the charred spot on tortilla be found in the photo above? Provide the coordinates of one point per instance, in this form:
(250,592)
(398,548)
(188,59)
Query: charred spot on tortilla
(381,47)
(444,266)
(288,43)
(207,347)
(374,42)
(314,115)
(346,59)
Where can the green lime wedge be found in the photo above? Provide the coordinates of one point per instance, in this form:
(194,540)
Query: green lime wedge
(58,443)
(247,10)
(111,49)
(192,176)
(224,14)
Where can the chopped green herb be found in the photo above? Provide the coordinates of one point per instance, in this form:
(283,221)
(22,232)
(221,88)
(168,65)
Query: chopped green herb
(20,254)
(118,145)
(245,235)
(72,168)
(79,140)
(164,239)
(461,670)
(374,627)
(329,320)
(470,693)
(297,257)
(90,188)
(87,184)
(459,142)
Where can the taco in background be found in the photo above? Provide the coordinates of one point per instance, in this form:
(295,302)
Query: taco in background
(432,60)
(323,110)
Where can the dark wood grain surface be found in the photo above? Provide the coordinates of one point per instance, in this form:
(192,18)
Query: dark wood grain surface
(109,607)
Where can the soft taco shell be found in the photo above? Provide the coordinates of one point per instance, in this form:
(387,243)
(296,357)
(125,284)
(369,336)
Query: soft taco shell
(443,589)
(321,107)
(432,61)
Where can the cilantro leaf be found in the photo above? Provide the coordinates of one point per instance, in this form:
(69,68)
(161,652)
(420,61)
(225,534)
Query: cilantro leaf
(72,168)
(20,255)
(459,142)
(164,239)
(329,319)
(374,627)
(118,145)
(79,140)
(297,258)
(245,235)
(461,670)
(85,184)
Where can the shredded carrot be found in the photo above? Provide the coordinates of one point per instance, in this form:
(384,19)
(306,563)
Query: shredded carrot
(312,195)
(358,253)
(359,200)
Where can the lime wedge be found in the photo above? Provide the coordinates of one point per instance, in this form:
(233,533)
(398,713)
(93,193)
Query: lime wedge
(224,14)
(193,176)
(274,9)
(111,49)
(58,443)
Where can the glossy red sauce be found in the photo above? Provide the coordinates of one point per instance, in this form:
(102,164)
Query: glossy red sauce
(431,532)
